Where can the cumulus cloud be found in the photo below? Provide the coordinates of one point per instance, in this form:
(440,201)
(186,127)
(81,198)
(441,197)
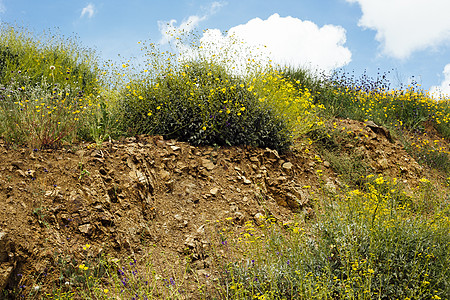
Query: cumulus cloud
(444,88)
(170,31)
(406,26)
(286,41)
(88,11)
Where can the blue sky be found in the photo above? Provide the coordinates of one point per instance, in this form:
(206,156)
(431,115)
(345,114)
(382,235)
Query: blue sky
(410,37)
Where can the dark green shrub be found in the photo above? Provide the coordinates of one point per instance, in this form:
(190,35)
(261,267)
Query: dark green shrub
(204,105)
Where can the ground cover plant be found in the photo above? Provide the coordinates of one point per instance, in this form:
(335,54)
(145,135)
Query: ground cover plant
(373,243)
(371,238)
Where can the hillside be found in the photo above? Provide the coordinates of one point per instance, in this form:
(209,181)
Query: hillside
(180,179)
(155,201)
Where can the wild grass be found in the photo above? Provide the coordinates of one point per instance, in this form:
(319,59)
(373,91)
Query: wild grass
(375,240)
(24,53)
(50,89)
(372,243)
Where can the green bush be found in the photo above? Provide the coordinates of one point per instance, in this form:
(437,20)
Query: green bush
(26,58)
(202,104)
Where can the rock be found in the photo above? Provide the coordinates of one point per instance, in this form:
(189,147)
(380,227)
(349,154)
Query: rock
(5,273)
(326,164)
(189,188)
(164,175)
(203,273)
(5,247)
(141,177)
(180,220)
(383,163)
(206,163)
(246,181)
(379,130)
(214,191)
(292,201)
(190,241)
(239,217)
(17,163)
(7,264)
(271,154)
(287,166)
(254,159)
(86,229)
(201,229)
(21,173)
(52,193)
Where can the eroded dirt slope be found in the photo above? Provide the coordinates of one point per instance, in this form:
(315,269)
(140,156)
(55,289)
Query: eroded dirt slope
(146,194)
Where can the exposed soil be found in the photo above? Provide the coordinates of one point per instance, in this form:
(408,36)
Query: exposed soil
(148,195)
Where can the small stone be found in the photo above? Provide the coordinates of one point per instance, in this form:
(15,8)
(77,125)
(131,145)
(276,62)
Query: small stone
(238,216)
(190,241)
(254,159)
(4,247)
(141,177)
(271,154)
(326,164)
(175,148)
(287,166)
(21,173)
(214,191)
(86,229)
(165,175)
(17,163)
(201,229)
(206,163)
(246,181)
(203,273)
(331,187)
(383,163)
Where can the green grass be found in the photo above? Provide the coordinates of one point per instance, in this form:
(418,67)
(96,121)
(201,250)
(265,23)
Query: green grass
(374,243)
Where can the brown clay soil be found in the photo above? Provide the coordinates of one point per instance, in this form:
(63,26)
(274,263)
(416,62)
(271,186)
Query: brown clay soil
(149,195)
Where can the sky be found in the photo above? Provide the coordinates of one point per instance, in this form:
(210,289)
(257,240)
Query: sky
(408,38)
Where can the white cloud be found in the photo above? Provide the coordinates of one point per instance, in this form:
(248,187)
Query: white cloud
(405,26)
(170,31)
(286,41)
(89,10)
(444,88)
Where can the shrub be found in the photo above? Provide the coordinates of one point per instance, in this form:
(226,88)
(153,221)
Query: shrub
(202,103)
(24,53)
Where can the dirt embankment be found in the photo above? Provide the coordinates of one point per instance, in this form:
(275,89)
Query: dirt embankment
(146,194)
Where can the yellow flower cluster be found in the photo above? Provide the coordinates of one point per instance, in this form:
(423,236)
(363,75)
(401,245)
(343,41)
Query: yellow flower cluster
(294,105)
(398,106)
